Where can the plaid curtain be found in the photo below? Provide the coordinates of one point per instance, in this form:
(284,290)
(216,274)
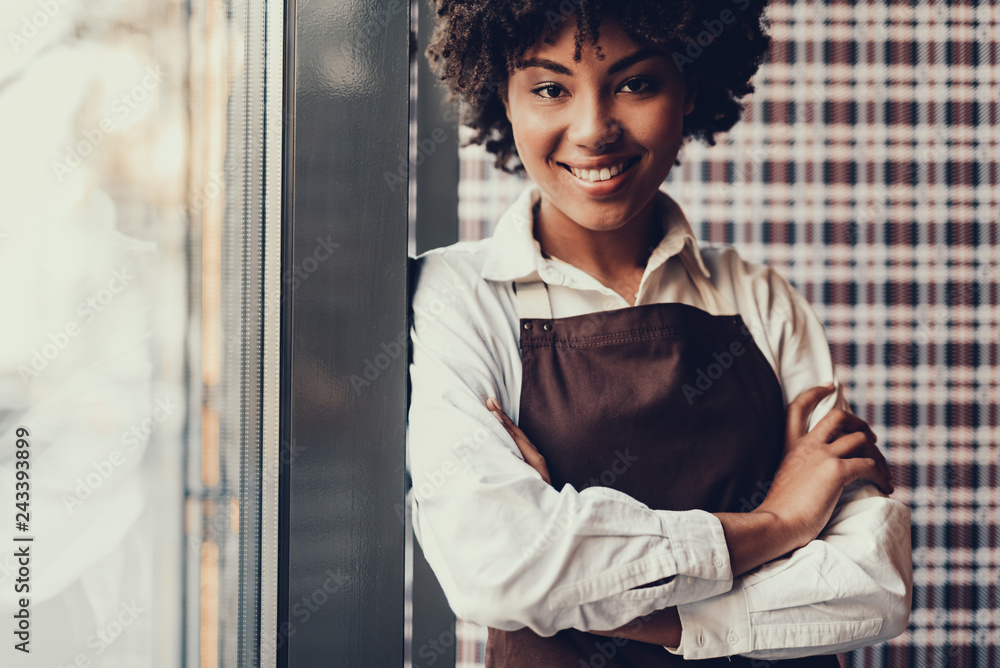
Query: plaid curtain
(867,171)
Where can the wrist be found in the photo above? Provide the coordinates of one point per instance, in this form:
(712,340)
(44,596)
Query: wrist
(783,533)
(756,537)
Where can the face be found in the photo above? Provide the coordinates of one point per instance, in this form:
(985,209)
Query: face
(598,137)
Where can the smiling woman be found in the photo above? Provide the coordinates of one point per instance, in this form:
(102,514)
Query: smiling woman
(597,136)
(581,325)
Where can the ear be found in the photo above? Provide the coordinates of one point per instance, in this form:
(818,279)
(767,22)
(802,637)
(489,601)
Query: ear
(690,96)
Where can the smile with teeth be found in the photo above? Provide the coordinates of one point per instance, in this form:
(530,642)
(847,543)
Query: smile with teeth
(602,174)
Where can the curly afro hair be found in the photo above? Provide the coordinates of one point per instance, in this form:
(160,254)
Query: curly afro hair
(718,45)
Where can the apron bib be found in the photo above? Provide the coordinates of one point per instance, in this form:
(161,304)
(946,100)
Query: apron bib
(664,402)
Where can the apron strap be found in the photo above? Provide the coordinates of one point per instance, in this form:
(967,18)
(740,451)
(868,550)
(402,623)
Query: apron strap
(532,300)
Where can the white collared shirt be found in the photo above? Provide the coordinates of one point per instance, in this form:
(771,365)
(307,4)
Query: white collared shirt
(512,551)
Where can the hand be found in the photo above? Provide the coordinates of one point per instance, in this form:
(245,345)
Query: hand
(528,451)
(810,479)
(818,465)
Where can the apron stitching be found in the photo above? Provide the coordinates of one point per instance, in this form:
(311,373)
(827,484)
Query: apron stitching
(610,338)
(525,397)
(736,322)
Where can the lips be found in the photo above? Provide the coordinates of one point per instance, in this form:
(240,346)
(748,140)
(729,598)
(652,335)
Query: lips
(605,173)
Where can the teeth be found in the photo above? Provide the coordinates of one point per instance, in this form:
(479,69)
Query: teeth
(595,175)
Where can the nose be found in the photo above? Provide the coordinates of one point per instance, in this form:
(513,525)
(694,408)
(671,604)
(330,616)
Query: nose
(593,126)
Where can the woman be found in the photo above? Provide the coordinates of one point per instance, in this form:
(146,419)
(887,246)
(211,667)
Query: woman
(648,480)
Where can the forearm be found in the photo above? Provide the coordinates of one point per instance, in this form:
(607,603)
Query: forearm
(662,627)
(753,539)
(849,588)
(756,538)
(568,565)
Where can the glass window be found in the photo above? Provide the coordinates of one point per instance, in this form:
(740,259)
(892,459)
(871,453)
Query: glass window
(132,250)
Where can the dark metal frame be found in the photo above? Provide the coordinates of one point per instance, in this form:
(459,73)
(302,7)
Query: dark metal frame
(343,390)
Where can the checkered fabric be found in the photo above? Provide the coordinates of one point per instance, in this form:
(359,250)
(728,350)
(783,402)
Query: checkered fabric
(867,171)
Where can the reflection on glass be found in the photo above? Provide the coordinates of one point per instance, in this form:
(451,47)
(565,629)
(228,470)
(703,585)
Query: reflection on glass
(130,345)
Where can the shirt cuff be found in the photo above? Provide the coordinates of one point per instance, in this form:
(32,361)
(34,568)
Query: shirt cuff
(700,553)
(715,627)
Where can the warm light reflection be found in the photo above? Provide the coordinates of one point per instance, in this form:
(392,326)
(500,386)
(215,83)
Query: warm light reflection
(220,347)
(212,200)
(209,446)
(209,605)
(211,291)
(234,515)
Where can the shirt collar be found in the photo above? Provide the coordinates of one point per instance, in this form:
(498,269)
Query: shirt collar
(515,254)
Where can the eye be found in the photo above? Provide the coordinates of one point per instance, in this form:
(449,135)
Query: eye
(548,91)
(637,85)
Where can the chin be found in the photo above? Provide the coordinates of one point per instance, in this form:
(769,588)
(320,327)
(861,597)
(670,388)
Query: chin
(593,216)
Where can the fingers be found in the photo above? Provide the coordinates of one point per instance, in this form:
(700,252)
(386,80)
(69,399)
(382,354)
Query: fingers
(860,468)
(858,446)
(854,444)
(838,422)
(801,408)
(528,450)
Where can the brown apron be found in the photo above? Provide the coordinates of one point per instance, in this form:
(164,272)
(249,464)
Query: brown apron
(664,402)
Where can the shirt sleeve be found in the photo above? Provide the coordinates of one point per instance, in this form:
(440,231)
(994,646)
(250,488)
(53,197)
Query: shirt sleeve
(850,587)
(509,550)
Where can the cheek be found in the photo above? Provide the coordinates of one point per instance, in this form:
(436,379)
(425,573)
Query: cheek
(534,138)
(661,130)
(660,127)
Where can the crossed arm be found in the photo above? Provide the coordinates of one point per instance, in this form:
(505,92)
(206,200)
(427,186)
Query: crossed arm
(817,466)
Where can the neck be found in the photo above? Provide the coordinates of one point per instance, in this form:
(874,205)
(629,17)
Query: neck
(607,254)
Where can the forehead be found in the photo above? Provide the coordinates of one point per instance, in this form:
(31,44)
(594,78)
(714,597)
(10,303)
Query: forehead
(560,39)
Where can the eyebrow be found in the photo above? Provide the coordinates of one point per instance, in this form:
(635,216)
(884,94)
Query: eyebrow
(624,63)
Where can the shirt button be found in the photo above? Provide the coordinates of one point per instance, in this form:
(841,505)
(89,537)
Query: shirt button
(717,561)
(732,637)
(527,325)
